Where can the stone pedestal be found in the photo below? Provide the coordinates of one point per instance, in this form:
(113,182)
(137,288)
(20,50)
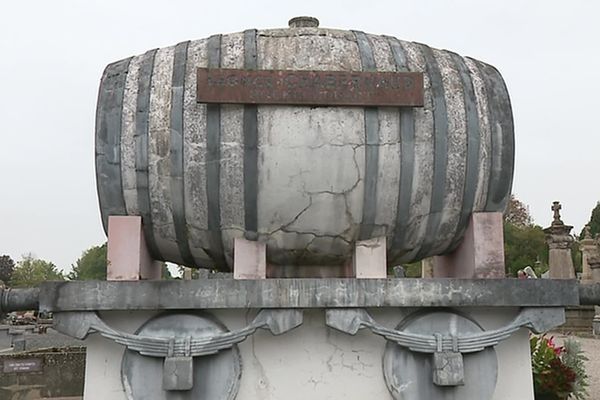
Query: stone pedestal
(128,257)
(559,242)
(593,260)
(480,255)
(249,260)
(596,322)
(313,361)
(586,246)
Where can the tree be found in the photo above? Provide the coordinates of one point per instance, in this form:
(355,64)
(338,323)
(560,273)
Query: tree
(524,242)
(524,246)
(91,265)
(31,271)
(517,213)
(7,267)
(594,222)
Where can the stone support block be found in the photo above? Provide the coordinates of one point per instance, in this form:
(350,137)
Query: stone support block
(369,261)
(128,257)
(480,254)
(249,259)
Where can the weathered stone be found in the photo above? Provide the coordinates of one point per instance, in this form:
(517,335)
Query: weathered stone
(128,258)
(414,375)
(304,293)
(559,242)
(479,255)
(250,259)
(178,373)
(326,364)
(369,259)
(448,369)
(585,245)
(317,179)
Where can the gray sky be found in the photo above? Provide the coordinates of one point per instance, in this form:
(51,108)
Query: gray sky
(53,54)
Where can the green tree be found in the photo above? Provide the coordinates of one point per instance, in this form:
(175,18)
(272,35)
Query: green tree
(91,265)
(7,267)
(31,271)
(594,222)
(524,246)
(524,242)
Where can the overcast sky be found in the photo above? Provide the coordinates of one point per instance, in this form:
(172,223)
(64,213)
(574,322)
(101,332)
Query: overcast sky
(52,54)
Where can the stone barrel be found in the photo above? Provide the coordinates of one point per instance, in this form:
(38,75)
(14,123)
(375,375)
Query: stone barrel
(307,181)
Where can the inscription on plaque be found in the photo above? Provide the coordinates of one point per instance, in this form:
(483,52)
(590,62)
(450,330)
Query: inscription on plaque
(327,88)
(22,365)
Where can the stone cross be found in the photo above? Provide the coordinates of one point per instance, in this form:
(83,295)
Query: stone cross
(559,242)
(556,207)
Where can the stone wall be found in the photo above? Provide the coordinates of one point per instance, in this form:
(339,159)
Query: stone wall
(579,320)
(43,374)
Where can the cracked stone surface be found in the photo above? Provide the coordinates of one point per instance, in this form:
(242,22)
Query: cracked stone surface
(314,361)
(311,160)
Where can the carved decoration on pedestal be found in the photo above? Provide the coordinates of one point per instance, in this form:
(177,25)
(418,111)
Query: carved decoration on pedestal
(432,353)
(171,354)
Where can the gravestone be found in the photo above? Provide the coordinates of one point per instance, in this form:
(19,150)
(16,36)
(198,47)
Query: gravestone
(588,248)
(559,242)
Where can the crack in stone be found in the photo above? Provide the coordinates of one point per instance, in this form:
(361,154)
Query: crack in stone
(283,227)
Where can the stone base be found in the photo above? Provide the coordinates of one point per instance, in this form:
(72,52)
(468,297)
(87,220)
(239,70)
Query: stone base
(312,361)
(596,322)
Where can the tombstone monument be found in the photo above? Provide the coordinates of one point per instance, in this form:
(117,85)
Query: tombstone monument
(587,246)
(305,161)
(559,242)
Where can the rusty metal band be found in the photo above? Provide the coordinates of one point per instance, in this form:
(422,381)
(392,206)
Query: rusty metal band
(407,157)
(176,153)
(503,141)
(108,141)
(440,152)
(473,148)
(141,149)
(213,164)
(371,144)
(250,131)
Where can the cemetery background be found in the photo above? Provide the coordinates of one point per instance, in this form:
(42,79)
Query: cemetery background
(56,51)
(52,270)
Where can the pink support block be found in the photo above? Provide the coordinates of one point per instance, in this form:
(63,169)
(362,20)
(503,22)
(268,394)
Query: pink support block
(128,257)
(481,253)
(370,260)
(249,259)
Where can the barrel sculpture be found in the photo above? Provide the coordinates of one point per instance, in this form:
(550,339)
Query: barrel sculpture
(308,181)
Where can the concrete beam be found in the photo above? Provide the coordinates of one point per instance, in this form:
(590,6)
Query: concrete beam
(305,293)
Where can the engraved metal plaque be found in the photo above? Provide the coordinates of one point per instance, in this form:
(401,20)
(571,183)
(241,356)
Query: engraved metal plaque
(22,365)
(311,88)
